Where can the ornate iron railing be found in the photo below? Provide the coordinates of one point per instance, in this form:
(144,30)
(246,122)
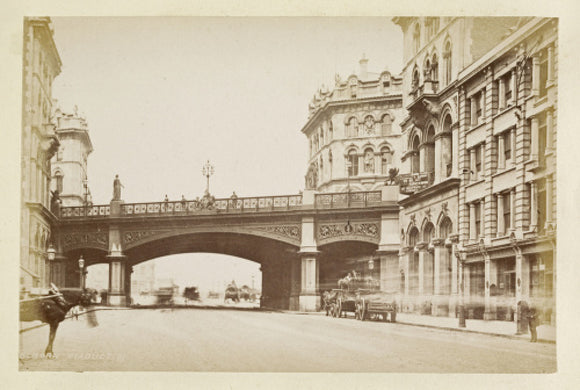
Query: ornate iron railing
(85,211)
(409,183)
(347,199)
(206,204)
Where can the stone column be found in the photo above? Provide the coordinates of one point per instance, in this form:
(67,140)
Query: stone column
(454,280)
(534,144)
(472,164)
(438,254)
(472,231)
(550,65)
(549,130)
(513,87)
(439,172)
(519,272)
(309,299)
(533,206)
(488,313)
(501,94)
(500,220)
(116,294)
(549,200)
(536,76)
(512,195)
(309,295)
(422,256)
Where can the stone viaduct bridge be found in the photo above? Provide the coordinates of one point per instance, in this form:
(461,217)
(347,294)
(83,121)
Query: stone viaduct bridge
(302,242)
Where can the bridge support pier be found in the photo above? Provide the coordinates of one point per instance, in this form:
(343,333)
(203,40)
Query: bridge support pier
(117,269)
(309,299)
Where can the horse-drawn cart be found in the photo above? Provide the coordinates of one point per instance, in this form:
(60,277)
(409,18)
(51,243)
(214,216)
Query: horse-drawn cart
(362,297)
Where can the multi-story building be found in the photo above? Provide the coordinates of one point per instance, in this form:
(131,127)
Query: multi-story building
(69,165)
(478,167)
(354,141)
(353,132)
(41,64)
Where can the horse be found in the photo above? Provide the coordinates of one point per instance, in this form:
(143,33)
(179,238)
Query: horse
(232,293)
(53,308)
(328,301)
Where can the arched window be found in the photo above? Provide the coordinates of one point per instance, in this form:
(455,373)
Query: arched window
(321,136)
(386,160)
(434,68)
(321,166)
(427,69)
(417,38)
(352,163)
(415,168)
(447,63)
(386,125)
(414,262)
(351,127)
(330,163)
(59,181)
(429,150)
(369,161)
(447,147)
(445,228)
(429,260)
(416,79)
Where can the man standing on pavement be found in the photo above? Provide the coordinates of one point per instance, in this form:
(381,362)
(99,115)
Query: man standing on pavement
(533,323)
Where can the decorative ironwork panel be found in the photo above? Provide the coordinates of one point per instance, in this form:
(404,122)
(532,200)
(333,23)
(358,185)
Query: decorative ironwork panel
(367,230)
(348,199)
(74,240)
(291,231)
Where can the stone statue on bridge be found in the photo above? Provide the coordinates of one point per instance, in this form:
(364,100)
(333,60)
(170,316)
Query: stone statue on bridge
(117,188)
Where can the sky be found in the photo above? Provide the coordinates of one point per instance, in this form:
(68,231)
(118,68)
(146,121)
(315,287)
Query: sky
(162,95)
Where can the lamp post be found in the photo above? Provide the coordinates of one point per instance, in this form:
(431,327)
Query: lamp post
(207,171)
(82,272)
(51,255)
(460,254)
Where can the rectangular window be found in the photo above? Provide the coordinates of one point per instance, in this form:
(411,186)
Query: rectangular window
(507,82)
(477,109)
(541,276)
(507,205)
(542,136)
(477,210)
(542,205)
(478,168)
(543,71)
(507,143)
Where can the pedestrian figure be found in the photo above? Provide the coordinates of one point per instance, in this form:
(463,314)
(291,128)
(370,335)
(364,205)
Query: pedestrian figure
(533,323)
(166,198)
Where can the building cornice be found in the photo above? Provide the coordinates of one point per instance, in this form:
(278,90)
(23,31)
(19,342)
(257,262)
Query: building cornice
(349,102)
(448,184)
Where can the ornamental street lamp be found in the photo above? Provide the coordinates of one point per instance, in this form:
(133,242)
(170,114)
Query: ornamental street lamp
(51,255)
(82,272)
(461,257)
(207,171)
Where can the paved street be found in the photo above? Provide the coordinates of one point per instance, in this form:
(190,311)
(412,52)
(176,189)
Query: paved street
(245,340)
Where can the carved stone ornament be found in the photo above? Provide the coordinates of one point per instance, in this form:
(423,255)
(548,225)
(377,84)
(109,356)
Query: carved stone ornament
(134,236)
(412,218)
(444,208)
(428,213)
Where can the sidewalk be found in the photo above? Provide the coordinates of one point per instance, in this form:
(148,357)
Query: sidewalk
(546,333)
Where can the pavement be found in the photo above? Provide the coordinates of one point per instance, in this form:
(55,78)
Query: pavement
(546,333)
